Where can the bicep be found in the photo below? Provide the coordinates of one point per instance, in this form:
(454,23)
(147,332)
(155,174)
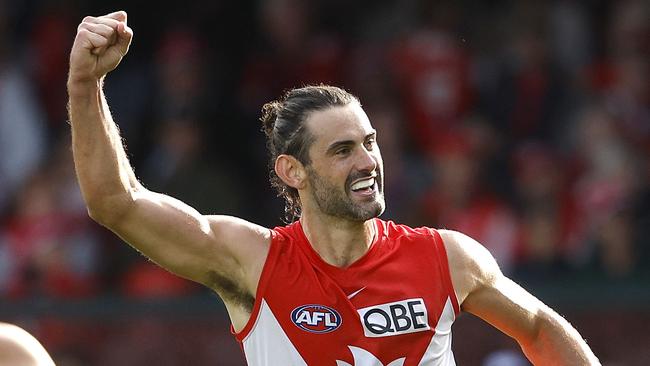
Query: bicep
(180,239)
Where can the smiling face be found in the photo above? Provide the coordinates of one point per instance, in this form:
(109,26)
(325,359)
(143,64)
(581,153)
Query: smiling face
(345,175)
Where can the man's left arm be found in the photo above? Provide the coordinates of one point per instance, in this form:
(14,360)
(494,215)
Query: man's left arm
(545,337)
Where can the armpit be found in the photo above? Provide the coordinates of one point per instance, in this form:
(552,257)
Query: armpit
(229,291)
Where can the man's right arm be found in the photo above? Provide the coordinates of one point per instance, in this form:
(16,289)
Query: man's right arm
(166,230)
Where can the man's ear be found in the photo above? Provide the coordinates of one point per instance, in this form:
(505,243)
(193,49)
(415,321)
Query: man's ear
(291,171)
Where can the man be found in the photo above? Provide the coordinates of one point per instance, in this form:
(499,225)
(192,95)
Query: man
(19,348)
(338,286)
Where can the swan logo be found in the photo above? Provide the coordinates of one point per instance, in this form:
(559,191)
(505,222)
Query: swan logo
(316,318)
(365,358)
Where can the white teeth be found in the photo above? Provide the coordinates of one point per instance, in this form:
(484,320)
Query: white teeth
(363,184)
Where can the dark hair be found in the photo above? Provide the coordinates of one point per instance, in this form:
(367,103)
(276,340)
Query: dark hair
(283,123)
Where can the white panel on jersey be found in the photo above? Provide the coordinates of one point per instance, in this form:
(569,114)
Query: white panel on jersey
(267,344)
(439,350)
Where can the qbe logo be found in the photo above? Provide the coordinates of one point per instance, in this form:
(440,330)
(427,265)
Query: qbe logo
(394,318)
(316,318)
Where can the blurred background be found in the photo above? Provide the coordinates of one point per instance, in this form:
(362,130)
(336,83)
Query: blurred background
(525,124)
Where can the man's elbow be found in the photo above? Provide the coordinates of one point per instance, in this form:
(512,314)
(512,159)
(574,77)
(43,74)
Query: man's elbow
(98,214)
(554,341)
(108,211)
(544,321)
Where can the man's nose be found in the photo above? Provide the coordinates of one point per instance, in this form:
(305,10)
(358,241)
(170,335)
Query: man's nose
(367,161)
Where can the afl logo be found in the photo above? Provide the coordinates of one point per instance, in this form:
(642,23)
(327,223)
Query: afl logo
(316,318)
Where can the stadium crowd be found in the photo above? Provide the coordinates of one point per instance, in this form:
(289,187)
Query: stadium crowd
(524,124)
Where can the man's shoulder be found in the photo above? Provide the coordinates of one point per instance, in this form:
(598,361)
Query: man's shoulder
(288,231)
(392,230)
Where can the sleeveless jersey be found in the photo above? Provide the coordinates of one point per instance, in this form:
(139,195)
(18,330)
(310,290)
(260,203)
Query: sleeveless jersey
(393,306)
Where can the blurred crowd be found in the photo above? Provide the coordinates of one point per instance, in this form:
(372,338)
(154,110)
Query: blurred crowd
(525,124)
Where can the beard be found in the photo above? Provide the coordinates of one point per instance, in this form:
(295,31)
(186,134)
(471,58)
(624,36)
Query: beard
(337,202)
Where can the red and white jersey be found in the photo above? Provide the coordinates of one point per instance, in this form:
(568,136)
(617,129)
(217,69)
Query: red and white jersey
(393,306)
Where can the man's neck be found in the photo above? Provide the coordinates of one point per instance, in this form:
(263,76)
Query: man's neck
(339,242)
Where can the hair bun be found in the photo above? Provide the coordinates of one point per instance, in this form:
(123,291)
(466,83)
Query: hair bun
(269,116)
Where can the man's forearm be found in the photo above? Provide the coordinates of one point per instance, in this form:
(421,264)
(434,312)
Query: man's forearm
(558,343)
(103,170)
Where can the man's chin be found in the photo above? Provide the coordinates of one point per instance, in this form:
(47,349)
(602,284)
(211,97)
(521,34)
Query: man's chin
(370,212)
(380,210)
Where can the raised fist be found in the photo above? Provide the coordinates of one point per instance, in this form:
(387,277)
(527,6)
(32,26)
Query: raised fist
(100,44)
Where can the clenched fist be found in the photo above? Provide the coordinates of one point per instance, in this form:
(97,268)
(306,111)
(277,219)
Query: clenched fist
(100,44)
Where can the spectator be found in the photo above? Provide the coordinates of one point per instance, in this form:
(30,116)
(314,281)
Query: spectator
(432,71)
(458,201)
(51,242)
(23,133)
(550,230)
(606,186)
(293,52)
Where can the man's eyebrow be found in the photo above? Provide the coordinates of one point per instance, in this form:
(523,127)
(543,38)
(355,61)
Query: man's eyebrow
(335,145)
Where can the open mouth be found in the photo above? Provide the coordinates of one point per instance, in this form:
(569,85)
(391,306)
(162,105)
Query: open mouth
(365,186)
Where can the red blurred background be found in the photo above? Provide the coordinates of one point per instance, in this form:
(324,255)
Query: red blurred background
(525,124)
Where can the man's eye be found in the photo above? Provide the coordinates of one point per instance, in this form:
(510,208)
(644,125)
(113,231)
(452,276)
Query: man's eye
(343,151)
(370,144)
